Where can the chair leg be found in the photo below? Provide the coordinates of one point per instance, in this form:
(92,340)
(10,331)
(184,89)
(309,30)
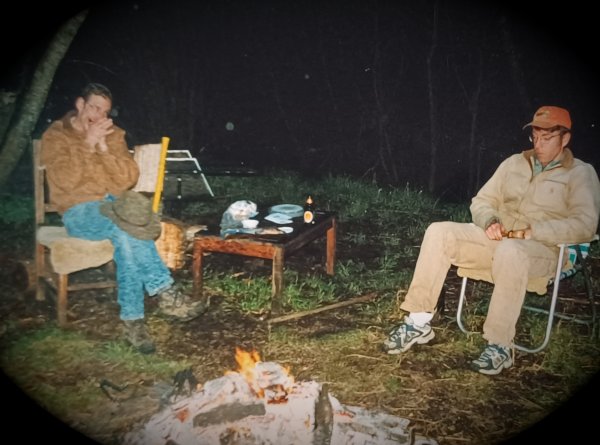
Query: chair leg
(40,267)
(549,324)
(588,291)
(461,301)
(111,268)
(61,299)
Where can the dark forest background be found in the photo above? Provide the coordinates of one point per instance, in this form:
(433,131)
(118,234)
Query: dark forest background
(429,93)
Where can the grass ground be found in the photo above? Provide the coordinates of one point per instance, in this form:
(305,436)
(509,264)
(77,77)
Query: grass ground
(378,240)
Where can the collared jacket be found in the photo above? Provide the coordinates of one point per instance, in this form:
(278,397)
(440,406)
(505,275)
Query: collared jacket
(560,204)
(76,174)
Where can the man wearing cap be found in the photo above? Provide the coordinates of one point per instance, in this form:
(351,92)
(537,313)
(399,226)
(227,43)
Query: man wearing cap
(541,197)
(90,171)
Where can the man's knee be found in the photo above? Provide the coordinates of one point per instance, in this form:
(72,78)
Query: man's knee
(511,249)
(512,255)
(439,227)
(442,229)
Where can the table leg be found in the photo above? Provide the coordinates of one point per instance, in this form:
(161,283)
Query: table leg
(277,281)
(331,242)
(197,271)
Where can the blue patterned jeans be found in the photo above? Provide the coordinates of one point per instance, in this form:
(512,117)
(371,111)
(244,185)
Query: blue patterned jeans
(139,267)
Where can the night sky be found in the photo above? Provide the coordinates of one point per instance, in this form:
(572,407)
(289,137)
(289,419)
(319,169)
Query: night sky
(331,86)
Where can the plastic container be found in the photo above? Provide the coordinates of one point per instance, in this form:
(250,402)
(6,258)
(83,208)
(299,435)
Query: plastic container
(250,223)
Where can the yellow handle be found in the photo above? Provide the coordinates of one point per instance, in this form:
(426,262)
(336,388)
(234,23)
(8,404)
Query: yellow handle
(161,174)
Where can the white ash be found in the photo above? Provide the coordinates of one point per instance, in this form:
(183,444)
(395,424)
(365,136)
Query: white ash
(228,411)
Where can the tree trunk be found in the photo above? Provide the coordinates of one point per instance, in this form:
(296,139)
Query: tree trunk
(386,155)
(474,152)
(19,132)
(516,71)
(432,102)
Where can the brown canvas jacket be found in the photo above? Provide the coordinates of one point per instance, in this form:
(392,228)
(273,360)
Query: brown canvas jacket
(561,204)
(75,174)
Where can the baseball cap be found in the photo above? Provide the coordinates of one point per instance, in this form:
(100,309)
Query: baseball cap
(549,116)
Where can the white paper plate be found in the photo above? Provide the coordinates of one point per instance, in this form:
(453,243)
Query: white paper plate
(278,218)
(286,229)
(291,210)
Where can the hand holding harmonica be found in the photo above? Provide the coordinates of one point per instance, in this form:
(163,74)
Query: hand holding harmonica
(519,234)
(497,231)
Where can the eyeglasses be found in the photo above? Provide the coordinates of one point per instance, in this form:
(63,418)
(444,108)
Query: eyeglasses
(97,109)
(543,138)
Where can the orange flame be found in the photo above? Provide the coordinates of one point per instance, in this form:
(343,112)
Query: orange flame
(247,361)
(246,367)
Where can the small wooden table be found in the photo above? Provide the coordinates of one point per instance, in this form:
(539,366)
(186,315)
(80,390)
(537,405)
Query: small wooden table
(271,247)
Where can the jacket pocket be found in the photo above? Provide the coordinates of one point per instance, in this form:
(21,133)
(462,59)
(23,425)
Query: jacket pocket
(551,194)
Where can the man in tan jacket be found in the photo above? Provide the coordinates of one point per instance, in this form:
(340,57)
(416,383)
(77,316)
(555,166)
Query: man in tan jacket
(542,197)
(90,172)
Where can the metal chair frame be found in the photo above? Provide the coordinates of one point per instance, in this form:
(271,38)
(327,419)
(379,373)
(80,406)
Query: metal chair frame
(551,312)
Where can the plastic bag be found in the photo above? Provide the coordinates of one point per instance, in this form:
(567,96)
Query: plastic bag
(237,212)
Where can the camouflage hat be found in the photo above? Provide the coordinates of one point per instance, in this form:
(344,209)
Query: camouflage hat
(132,212)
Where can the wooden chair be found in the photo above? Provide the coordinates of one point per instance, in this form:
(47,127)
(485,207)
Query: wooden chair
(57,255)
(576,262)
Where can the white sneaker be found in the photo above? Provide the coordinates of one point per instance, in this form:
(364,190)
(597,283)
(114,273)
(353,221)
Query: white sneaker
(406,334)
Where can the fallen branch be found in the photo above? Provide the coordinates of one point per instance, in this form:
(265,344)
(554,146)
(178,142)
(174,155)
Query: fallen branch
(295,315)
(366,356)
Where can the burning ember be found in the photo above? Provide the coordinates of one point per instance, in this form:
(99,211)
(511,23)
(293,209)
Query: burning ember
(267,380)
(261,404)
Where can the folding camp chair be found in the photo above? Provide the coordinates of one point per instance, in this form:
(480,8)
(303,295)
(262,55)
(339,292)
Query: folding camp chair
(184,179)
(576,262)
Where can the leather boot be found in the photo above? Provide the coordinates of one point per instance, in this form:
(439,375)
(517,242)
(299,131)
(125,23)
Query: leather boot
(174,304)
(136,335)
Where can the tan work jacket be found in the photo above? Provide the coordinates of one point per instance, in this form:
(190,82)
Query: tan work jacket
(561,204)
(76,173)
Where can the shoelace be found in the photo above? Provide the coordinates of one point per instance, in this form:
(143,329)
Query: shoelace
(400,333)
(178,299)
(490,353)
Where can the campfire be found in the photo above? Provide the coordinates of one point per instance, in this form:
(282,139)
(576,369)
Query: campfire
(267,380)
(260,403)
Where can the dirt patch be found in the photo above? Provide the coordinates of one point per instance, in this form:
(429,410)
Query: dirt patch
(430,386)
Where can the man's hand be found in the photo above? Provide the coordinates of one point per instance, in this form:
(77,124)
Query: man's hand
(495,231)
(96,133)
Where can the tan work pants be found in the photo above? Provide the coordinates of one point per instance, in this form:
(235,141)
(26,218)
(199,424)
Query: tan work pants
(511,261)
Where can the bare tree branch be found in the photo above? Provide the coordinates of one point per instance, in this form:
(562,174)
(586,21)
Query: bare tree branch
(22,124)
